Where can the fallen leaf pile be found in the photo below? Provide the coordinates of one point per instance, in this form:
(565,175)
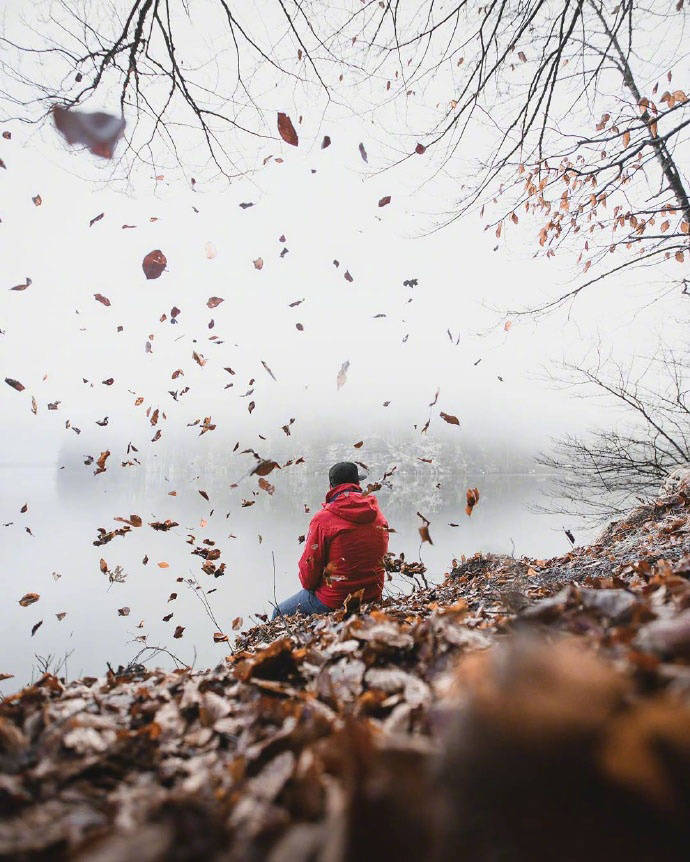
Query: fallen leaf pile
(519,706)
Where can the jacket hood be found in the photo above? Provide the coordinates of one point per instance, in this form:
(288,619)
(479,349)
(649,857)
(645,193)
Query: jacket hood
(348,502)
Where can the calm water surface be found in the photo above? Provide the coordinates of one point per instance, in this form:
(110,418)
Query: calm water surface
(58,560)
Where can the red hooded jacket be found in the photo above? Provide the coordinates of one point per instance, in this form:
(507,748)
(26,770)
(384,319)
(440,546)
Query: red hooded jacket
(345,546)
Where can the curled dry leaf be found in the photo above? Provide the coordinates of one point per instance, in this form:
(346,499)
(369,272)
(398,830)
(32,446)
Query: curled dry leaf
(214,301)
(38,200)
(15,384)
(266,485)
(472,498)
(259,263)
(287,130)
(237,624)
(123,612)
(219,637)
(179,631)
(363,152)
(27,283)
(384,201)
(28,599)
(420,149)
(98,131)
(36,627)
(449,418)
(326,142)
(154,263)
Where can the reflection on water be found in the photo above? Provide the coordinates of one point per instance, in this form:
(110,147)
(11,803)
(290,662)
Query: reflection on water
(58,560)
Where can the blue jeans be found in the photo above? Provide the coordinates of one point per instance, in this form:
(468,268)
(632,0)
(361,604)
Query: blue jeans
(305,602)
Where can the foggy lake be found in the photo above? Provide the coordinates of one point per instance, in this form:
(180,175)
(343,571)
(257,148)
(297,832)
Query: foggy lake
(59,561)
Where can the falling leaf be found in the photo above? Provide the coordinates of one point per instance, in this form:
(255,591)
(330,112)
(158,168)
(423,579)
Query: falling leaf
(163,565)
(472,498)
(268,369)
(98,131)
(326,142)
(93,221)
(449,418)
(123,612)
(521,55)
(24,286)
(214,301)
(237,624)
(507,325)
(61,616)
(287,130)
(28,599)
(266,485)
(420,149)
(259,263)
(347,276)
(363,153)
(342,374)
(38,200)
(4,676)
(179,632)
(15,384)
(100,298)
(36,627)
(299,327)
(154,263)
(210,250)
(219,637)
(385,201)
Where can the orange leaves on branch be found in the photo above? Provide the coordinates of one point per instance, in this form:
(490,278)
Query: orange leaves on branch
(472,498)
(287,130)
(154,263)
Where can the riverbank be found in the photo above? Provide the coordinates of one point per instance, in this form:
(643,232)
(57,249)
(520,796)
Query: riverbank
(506,712)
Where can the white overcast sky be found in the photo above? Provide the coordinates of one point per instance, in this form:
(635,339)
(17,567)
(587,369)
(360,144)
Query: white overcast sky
(56,328)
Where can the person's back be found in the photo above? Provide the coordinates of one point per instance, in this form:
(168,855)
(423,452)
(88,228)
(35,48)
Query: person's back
(344,548)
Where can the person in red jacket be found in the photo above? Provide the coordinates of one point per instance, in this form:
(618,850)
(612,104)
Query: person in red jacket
(344,548)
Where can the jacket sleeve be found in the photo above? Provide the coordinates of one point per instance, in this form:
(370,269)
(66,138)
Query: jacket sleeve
(313,559)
